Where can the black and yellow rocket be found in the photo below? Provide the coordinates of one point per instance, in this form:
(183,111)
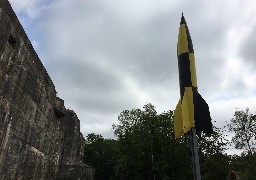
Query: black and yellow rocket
(191,110)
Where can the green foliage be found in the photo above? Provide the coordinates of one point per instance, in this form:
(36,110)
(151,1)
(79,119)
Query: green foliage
(214,163)
(213,144)
(244,165)
(244,126)
(101,154)
(146,149)
(215,166)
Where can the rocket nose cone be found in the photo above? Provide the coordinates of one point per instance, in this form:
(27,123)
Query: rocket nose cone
(182,21)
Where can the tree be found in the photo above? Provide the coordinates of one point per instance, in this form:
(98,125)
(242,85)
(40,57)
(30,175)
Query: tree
(148,149)
(244,126)
(244,165)
(101,154)
(213,160)
(212,144)
(215,166)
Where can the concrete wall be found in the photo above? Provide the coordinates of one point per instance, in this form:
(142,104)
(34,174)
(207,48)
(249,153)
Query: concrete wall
(39,137)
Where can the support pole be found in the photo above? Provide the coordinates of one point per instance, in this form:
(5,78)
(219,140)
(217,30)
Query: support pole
(194,152)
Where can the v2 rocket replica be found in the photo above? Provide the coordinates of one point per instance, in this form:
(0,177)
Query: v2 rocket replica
(191,110)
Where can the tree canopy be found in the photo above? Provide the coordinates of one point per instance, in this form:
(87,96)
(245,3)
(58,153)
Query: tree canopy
(243,125)
(145,148)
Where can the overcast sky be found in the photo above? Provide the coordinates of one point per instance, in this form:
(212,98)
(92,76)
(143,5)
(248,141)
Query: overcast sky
(105,56)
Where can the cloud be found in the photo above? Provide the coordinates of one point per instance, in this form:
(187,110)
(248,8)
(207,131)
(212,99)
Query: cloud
(108,56)
(247,47)
(26,7)
(30,13)
(223,109)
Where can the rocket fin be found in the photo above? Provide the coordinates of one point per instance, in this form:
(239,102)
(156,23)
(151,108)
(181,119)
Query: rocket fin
(202,115)
(178,121)
(184,113)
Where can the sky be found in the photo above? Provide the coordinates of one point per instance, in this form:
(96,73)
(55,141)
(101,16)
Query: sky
(106,56)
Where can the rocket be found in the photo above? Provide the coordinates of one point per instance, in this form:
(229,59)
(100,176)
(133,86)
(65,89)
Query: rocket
(192,111)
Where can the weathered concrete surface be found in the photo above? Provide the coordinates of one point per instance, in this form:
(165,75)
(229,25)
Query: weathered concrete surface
(39,137)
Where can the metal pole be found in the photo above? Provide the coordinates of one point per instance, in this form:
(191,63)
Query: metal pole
(194,152)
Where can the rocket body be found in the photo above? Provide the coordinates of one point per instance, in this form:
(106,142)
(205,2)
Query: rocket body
(191,110)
